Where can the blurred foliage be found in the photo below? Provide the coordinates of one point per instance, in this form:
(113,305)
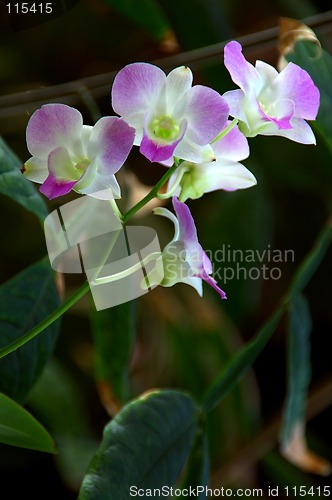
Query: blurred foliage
(25,300)
(19,428)
(182,341)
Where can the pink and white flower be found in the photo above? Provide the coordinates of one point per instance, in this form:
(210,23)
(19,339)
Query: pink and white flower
(192,180)
(68,155)
(171,118)
(183,258)
(268,102)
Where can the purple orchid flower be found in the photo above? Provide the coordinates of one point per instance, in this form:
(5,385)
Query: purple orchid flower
(271,103)
(184,260)
(68,155)
(192,180)
(171,118)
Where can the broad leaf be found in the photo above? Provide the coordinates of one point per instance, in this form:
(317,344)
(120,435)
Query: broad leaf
(146,445)
(17,187)
(113,334)
(25,300)
(19,428)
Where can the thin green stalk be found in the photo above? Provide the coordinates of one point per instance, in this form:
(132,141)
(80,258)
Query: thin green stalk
(57,313)
(226,130)
(152,194)
(4,351)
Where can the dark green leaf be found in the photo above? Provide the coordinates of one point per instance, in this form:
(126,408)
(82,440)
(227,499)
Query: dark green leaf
(299,367)
(25,300)
(19,428)
(17,187)
(146,446)
(113,335)
(318,63)
(146,13)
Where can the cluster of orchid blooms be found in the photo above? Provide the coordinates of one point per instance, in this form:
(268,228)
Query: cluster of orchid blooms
(173,123)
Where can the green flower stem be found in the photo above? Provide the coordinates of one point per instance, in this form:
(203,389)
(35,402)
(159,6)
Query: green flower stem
(152,194)
(168,194)
(4,351)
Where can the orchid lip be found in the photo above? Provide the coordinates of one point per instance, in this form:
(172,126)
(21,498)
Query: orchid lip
(165,128)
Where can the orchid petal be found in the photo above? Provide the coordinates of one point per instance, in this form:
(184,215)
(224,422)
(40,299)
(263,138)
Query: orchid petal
(301,131)
(267,72)
(195,283)
(207,264)
(212,282)
(188,150)
(188,232)
(242,72)
(233,146)
(35,169)
(110,143)
(178,82)
(61,166)
(54,187)
(52,126)
(102,187)
(136,89)
(283,112)
(235,100)
(63,175)
(169,215)
(156,149)
(206,112)
(227,175)
(295,84)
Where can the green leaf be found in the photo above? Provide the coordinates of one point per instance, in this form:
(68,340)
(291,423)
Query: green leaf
(19,428)
(113,335)
(14,185)
(24,301)
(146,13)
(299,366)
(318,63)
(146,445)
